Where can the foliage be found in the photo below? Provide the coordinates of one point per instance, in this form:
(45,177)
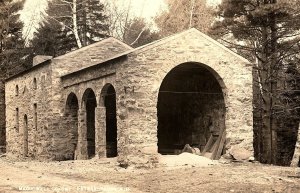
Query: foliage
(184,14)
(92,21)
(13,56)
(266,32)
(137,33)
(52,39)
(77,22)
(10,26)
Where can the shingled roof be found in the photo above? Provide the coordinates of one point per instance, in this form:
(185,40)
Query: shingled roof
(160,42)
(86,56)
(94,53)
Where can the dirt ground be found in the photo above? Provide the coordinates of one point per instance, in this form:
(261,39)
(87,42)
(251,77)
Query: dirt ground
(106,176)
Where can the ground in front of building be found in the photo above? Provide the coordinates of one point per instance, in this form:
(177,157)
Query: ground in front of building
(104,175)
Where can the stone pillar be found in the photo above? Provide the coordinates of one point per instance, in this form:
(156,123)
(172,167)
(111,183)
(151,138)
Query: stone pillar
(100,133)
(123,144)
(81,150)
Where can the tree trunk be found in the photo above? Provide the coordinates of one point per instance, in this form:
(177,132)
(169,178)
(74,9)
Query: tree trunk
(274,67)
(296,157)
(75,26)
(269,77)
(266,133)
(192,13)
(85,20)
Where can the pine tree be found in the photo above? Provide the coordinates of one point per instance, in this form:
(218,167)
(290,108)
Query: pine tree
(13,53)
(52,39)
(266,32)
(10,26)
(93,24)
(85,19)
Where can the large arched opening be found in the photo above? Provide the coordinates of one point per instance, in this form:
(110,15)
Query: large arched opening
(108,96)
(89,99)
(71,114)
(190,109)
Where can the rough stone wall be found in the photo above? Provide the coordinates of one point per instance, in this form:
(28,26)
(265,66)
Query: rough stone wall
(66,64)
(50,99)
(95,78)
(6,72)
(39,139)
(143,73)
(136,77)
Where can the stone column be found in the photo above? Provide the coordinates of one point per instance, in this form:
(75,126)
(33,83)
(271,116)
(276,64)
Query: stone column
(81,150)
(100,133)
(123,144)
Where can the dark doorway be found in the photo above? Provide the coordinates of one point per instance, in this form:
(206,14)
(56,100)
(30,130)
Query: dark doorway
(190,108)
(71,114)
(90,104)
(109,96)
(25,136)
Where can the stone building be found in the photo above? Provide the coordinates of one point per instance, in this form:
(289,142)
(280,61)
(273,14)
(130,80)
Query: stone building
(7,69)
(108,100)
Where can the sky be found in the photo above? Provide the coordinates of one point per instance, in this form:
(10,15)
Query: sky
(34,11)
(145,8)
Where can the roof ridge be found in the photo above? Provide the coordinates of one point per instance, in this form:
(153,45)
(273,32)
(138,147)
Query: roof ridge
(162,40)
(215,42)
(169,38)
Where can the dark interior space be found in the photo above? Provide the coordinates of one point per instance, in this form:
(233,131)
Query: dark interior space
(190,108)
(111,121)
(90,121)
(72,121)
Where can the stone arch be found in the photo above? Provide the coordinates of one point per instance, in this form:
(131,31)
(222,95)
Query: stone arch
(108,101)
(71,116)
(89,103)
(190,107)
(25,136)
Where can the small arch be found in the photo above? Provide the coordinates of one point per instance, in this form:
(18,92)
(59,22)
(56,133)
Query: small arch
(71,102)
(17,90)
(34,84)
(71,115)
(90,103)
(25,136)
(108,100)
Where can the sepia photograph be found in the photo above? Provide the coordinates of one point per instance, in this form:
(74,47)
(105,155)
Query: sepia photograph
(149,96)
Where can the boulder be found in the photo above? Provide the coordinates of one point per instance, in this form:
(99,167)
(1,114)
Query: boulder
(240,153)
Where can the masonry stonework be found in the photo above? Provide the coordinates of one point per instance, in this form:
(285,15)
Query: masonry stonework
(21,98)
(89,93)
(5,72)
(143,73)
